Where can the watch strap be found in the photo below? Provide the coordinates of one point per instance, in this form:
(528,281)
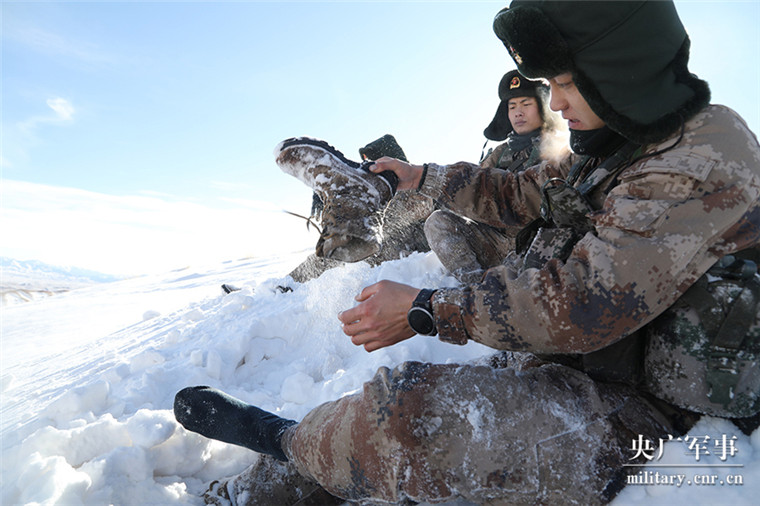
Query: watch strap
(420,315)
(424,299)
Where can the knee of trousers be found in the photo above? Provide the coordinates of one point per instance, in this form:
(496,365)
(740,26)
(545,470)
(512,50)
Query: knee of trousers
(391,403)
(364,445)
(447,235)
(441,222)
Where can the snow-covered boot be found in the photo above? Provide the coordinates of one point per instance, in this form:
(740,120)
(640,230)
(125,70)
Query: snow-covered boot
(269,482)
(216,415)
(354,198)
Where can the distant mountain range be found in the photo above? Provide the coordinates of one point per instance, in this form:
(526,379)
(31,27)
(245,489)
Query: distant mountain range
(14,267)
(22,280)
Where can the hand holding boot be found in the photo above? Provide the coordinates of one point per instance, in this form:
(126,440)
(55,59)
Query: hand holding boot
(408,174)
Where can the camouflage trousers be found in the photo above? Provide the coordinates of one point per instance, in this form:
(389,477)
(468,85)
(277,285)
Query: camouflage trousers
(269,482)
(467,248)
(402,233)
(543,434)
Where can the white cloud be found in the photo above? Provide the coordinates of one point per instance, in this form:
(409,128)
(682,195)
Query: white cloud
(63,112)
(62,107)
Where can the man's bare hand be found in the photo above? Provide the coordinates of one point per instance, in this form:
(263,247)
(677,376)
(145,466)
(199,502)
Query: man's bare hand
(408,174)
(380,318)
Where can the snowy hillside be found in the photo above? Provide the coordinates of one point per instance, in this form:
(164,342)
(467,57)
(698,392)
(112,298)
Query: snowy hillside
(22,281)
(88,379)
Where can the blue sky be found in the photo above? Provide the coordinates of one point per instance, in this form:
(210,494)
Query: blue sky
(180,104)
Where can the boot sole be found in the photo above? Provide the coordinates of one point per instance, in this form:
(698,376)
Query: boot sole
(360,168)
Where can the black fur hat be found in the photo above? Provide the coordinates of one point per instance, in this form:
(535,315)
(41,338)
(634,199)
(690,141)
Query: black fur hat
(514,85)
(629,59)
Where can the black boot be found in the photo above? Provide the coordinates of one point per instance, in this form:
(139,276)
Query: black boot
(216,415)
(227,288)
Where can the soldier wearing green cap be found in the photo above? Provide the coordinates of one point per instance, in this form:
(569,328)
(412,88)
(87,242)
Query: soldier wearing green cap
(532,133)
(634,295)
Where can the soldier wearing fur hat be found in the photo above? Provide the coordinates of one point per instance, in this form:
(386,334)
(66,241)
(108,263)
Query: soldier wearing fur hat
(532,134)
(523,119)
(633,265)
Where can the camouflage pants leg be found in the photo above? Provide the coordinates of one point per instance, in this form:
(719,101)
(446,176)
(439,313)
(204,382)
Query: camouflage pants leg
(312,268)
(543,435)
(268,482)
(403,226)
(403,233)
(465,247)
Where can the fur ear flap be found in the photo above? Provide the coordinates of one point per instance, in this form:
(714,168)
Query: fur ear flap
(545,56)
(500,127)
(665,125)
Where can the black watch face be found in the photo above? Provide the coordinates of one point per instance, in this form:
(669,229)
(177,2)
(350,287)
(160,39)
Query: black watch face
(421,321)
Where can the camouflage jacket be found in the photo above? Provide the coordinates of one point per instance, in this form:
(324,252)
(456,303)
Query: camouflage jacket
(666,220)
(502,158)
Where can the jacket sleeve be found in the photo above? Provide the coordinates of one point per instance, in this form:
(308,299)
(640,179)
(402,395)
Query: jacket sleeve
(488,195)
(669,218)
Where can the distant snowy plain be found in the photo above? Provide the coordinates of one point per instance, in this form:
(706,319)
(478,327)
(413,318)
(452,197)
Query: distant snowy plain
(88,379)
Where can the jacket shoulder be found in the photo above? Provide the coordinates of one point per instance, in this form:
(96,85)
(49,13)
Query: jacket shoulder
(715,137)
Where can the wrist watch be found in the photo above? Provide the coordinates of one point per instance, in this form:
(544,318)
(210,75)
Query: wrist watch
(420,315)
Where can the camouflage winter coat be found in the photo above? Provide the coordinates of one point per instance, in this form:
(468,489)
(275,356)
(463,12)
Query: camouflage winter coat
(666,220)
(502,158)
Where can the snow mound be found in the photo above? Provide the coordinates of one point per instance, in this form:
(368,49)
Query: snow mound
(89,378)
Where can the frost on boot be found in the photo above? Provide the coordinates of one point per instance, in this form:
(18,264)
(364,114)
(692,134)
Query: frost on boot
(403,234)
(354,198)
(269,482)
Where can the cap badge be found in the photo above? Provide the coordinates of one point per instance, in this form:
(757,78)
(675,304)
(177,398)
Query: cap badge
(514,83)
(518,59)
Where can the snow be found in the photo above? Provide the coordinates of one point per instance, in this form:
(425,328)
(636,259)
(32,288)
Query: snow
(89,376)
(23,281)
